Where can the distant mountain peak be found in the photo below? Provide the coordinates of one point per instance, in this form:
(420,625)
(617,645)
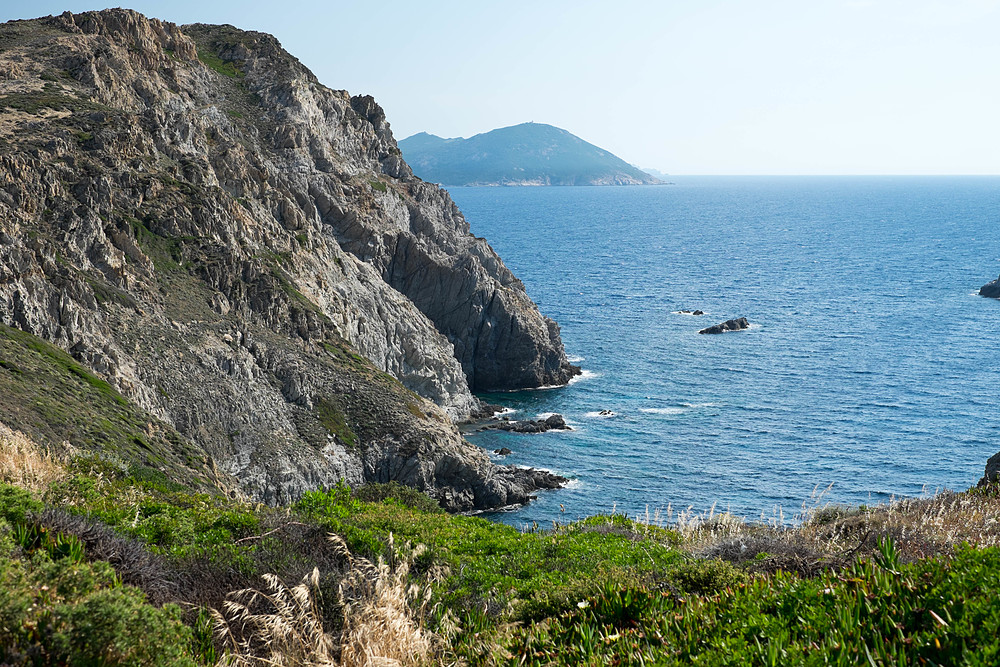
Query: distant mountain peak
(525,154)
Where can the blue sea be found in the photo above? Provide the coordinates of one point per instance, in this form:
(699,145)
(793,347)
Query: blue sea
(871,365)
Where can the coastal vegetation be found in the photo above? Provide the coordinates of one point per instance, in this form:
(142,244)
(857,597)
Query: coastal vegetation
(179,398)
(102,564)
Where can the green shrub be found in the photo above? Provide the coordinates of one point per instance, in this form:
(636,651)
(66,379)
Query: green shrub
(395,492)
(223,67)
(65,612)
(938,611)
(705,576)
(16,504)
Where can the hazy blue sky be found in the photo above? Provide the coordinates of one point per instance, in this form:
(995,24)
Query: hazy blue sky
(692,87)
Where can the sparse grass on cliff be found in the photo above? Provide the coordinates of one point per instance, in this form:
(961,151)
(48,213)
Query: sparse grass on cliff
(23,463)
(51,398)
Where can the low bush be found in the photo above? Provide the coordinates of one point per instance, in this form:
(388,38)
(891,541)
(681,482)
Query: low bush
(58,610)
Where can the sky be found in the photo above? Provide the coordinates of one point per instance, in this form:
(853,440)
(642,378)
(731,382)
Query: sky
(685,87)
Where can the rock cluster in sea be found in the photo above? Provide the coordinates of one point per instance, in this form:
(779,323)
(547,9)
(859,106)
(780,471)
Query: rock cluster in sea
(737,324)
(552,422)
(242,252)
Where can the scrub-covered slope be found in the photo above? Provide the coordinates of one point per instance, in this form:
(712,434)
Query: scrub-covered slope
(241,253)
(525,154)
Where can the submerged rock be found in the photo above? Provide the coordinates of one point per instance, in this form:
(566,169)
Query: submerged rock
(691,312)
(991,289)
(729,325)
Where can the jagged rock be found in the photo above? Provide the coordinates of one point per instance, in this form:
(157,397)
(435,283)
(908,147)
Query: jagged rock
(691,312)
(552,422)
(991,289)
(243,253)
(485,411)
(503,451)
(729,325)
(992,473)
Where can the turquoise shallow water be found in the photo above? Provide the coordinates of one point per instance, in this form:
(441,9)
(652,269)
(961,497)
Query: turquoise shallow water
(871,364)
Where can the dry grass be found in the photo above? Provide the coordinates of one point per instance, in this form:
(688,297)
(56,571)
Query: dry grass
(383,612)
(382,619)
(288,632)
(24,463)
(821,536)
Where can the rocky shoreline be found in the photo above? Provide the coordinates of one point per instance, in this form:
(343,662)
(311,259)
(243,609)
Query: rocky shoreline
(241,253)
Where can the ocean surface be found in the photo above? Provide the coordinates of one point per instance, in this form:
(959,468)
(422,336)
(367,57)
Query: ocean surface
(871,365)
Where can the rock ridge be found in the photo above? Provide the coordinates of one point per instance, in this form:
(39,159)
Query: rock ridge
(242,253)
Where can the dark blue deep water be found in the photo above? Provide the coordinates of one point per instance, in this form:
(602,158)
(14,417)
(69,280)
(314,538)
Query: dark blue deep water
(872,365)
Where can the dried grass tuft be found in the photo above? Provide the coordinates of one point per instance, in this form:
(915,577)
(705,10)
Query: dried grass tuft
(24,463)
(382,618)
(821,536)
(383,612)
(283,626)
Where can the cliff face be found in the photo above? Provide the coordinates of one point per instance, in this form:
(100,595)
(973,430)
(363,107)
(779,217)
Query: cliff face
(244,255)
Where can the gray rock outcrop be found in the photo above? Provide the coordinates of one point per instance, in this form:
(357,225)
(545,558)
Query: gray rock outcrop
(991,289)
(992,472)
(243,253)
(737,324)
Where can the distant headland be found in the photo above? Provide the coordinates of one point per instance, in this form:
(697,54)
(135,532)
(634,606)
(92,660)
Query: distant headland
(525,154)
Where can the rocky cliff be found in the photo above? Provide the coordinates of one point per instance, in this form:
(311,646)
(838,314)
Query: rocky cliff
(242,254)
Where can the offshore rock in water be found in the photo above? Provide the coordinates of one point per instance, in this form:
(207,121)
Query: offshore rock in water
(552,422)
(729,325)
(991,289)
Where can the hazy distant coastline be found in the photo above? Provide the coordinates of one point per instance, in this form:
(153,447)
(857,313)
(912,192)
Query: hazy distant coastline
(530,154)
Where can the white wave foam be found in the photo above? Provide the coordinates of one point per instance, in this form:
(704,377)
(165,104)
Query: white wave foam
(601,414)
(663,411)
(700,405)
(584,375)
(575,359)
(507,412)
